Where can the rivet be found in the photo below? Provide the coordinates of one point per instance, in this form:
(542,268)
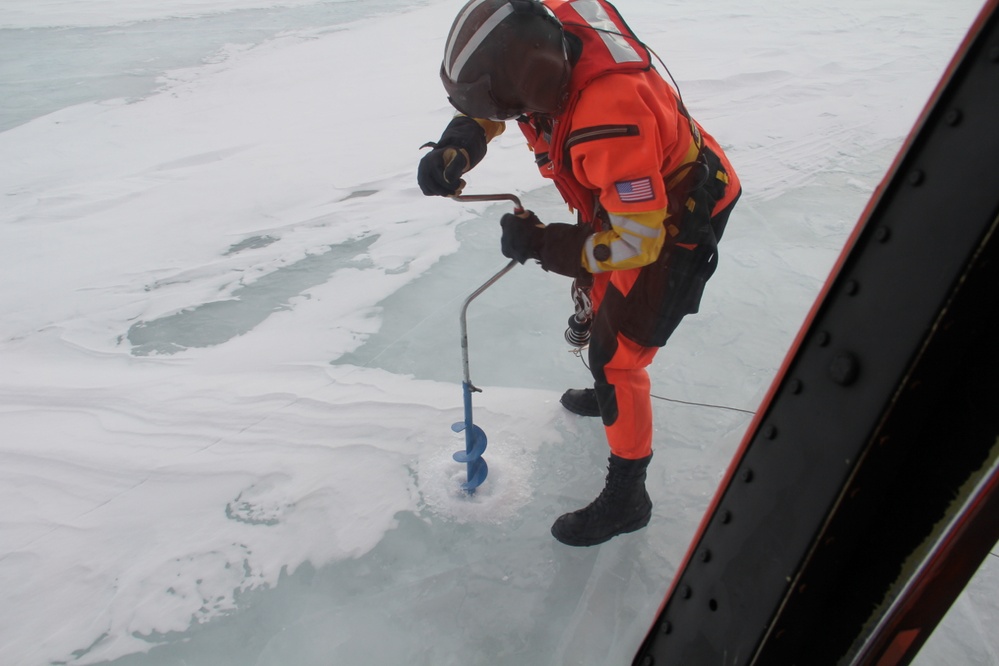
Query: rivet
(666,628)
(647,660)
(795,386)
(953,117)
(882,234)
(844,368)
(704,555)
(747,475)
(852,287)
(686,592)
(726,517)
(824,338)
(916,177)
(713,605)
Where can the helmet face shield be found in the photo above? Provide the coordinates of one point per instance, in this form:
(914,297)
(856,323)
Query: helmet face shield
(475,99)
(504,59)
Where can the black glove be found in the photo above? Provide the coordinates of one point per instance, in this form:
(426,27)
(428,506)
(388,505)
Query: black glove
(461,147)
(439,173)
(523,236)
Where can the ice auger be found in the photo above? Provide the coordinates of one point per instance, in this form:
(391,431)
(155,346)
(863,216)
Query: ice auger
(475,438)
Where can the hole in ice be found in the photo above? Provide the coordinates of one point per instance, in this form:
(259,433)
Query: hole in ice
(506,491)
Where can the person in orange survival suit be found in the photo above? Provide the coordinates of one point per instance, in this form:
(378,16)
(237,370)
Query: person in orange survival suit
(652,190)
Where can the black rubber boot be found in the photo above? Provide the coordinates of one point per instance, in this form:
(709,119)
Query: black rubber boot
(622,506)
(581,401)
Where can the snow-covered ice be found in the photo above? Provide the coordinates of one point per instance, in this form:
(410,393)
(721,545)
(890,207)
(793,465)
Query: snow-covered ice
(229,355)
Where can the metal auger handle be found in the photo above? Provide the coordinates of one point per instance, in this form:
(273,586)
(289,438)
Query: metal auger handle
(503,271)
(490,197)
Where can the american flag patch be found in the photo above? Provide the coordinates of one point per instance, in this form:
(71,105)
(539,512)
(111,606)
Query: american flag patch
(631,191)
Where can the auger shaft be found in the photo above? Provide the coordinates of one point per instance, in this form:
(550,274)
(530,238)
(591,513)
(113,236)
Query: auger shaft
(475,437)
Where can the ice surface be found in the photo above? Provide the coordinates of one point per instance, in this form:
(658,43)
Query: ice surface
(229,355)
(56,54)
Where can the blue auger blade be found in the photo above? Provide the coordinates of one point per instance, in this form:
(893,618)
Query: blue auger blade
(477,472)
(475,443)
(475,446)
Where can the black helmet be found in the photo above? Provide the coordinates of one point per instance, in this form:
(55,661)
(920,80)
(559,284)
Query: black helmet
(504,58)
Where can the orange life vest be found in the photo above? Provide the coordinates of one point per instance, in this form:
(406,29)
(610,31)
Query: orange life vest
(609,46)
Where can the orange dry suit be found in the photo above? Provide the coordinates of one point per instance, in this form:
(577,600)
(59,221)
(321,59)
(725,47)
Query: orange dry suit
(653,192)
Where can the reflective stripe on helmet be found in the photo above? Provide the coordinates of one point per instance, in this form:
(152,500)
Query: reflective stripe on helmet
(453,67)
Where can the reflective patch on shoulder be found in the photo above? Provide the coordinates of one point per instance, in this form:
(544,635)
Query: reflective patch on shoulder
(632,191)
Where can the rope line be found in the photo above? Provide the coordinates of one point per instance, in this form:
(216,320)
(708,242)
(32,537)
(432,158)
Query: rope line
(704,404)
(578,351)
